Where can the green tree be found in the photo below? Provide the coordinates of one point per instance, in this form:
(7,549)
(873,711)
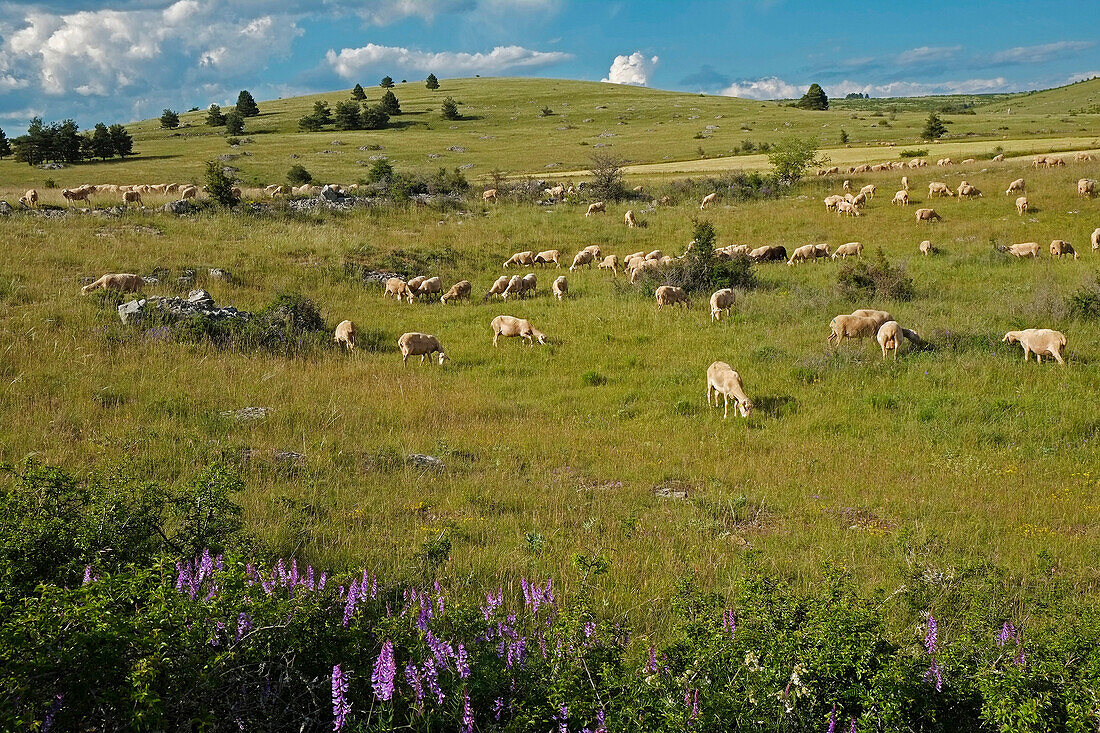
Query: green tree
(102,146)
(933,127)
(843,137)
(246,105)
(309,123)
(347,115)
(380,171)
(219,185)
(169,120)
(386,83)
(358,93)
(390,104)
(122,141)
(298,175)
(322,113)
(234,123)
(5,146)
(67,143)
(214,116)
(374,117)
(814,98)
(431,82)
(450,109)
(793,156)
(34,147)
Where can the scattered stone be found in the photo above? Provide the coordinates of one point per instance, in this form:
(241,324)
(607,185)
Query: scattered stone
(466,166)
(249,414)
(552,165)
(5,208)
(457,149)
(180,207)
(218,273)
(289,456)
(199,303)
(434,156)
(331,193)
(671,490)
(605,133)
(421,460)
(337,142)
(294,156)
(52,166)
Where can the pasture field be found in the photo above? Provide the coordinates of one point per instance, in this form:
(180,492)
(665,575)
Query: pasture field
(600,443)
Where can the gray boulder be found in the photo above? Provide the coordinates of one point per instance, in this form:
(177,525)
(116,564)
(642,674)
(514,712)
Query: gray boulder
(199,303)
(328,193)
(183,206)
(421,460)
(5,208)
(217,273)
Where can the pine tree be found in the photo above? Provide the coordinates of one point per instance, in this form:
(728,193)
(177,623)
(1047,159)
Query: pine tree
(373,117)
(234,123)
(933,127)
(450,109)
(246,105)
(169,120)
(347,115)
(309,123)
(67,145)
(390,104)
(5,146)
(102,146)
(322,113)
(358,92)
(814,98)
(121,141)
(220,185)
(214,116)
(843,137)
(386,83)
(431,82)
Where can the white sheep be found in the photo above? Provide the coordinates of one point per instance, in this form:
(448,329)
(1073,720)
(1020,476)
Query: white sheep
(721,301)
(1021,205)
(419,344)
(596,208)
(460,290)
(1016,186)
(428,286)
(901,197)
(1026,249)
(547,256)
(560,287)
(802,254)
(611,262)
(527,259)
(498,287)
(849,327)
(1095,239)
(1040,341)
(671,295)
(868,190)
(1085,187)
(595,250)
(396,287)
(489,194)
(927,215)
(879,317)
(345,334)
(631,222)
(510,326)
(29,200)
(889,337)
(1060,248)
(905,183)
(723,380)
(926,247)
(122,282)
(584,257)
(849,250)
(938,188)
(708,200)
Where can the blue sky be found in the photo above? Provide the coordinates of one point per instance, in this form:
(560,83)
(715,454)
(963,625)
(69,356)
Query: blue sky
(120,60)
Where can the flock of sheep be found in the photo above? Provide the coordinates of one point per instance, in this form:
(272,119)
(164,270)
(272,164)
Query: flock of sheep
(132,194)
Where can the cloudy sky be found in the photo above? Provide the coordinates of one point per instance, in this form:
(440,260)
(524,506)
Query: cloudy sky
(119,60)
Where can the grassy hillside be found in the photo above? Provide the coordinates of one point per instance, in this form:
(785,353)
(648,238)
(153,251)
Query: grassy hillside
(505,130)
(1082,98)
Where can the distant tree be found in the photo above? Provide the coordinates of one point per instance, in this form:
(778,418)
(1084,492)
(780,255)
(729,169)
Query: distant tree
(246,105)
(121,140)
(431,82)
(843,137)
(793,157)
(814,98)
(169,120)
(347,115)
(298,175)
(390,104)
(219,185)
(67,143)
(234,123)
(374,117)
(386,83)
(358,92)
(607,177)
(450,109)
(5,146)
(933,127)
(309,123)
(214,116)
(102,146)
(380,171)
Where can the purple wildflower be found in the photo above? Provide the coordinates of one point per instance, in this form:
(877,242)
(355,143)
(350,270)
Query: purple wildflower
(931,639)
(340,706)
(832,720)
(441,650)
(695,704)
(384,671)
(349,607)
(935,673)
(425,613)
(563,718)
(651,661)
(467,713)
(589,629)
(413,678)
(498,708)
(206,567)
(55,706)
(462,662)
(852,727)
(87,574)
(322,581)
(729,622)
(492,603)
(431,676)
(1008,633)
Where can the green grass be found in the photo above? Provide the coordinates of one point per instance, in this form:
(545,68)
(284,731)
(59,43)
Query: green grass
(956,455)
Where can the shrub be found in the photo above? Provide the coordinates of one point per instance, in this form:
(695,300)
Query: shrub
(593,379)
(933,127)
(380,171)
(1084,303)
(219,185)
(169,120)
(914,153)
(234,123)
(298,175)
(431,82)
(792,157)
(375,117)
(214,116)
(607,177)
(875,277)
(814,98)
(390,104)
(358,92)
(700,271)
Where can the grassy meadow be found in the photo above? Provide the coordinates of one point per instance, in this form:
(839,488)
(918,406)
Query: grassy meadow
(949,459)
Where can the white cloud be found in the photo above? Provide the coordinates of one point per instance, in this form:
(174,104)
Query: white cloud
(775,88)
(770,87)
(633,69)
(925,54)
(350,63)
(1040,53)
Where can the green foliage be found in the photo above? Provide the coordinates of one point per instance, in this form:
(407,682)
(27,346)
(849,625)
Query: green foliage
(814,98)
(386,83)
(214,116)
(309,123)
(1084,303)
(700,272)
(875,276)
(122,140)
(347,115)
(102,146)
(792,157)
(843,137)
(234,123)
(913,153)
(298,175)
(5,145)
(390,104)
(59,142)
(431,82)
(358,93)
(169,120)
(933,127)
(374,117)
(380,171)
(593,379)
(246,105)
(546,112)
(607,183)
(219,185)
(449,109)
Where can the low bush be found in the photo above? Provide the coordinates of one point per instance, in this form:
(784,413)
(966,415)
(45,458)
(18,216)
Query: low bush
(1084,303)
(875,276)
(913,153)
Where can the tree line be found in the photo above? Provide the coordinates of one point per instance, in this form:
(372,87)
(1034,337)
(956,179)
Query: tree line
(62,142)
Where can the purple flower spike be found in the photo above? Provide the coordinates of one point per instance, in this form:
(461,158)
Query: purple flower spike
(931,639)
(467,713)
(340,706)
(349,607)
(461,662)
(832,720)
(412,676)
(852,727)
(385,669)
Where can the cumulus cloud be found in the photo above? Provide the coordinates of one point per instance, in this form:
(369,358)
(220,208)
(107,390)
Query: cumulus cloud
(352,62)
(770,87)
(775,88)
(1040,53)
(633,69)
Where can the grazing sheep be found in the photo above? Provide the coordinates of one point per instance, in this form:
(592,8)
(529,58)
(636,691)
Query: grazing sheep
(1021,205)
(905,183)
(595,250)
(413,285)
(419,344)
(868,191)
(671,295)
(768,253)
(938,188)
(889,337)
(498,287)
(396,287)
(641,267)
(849,327)
(1085,187)
(510,326)
(1081,156)
(72,195)
(560,287)
(548,256)
(189,192)
(802,254)
(489,194)
(1026,249)
(968,191)
(859,199)
(122,282)
(821,251)
(1016,186)
(928,215)
(722,380)
(611,262)
(429,286)
(999,157)
(879,317)
(515,287)
(584,257)
(847,186)
(847,208)
(1095,239)
(458,291)
(526,259)
(631,222)
(1040,341)
(29,200)
(131,197)
(926,248)
(654,255)
(596,208)
(1060,248)
(967,161)
(708,200)
(901,197)
(345,334)
(848,250)
(832,201)
(721,301)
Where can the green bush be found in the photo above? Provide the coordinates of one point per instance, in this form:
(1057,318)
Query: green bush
(1084,303)
(700,271)
(876,277)
(913,153)
(298,175)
